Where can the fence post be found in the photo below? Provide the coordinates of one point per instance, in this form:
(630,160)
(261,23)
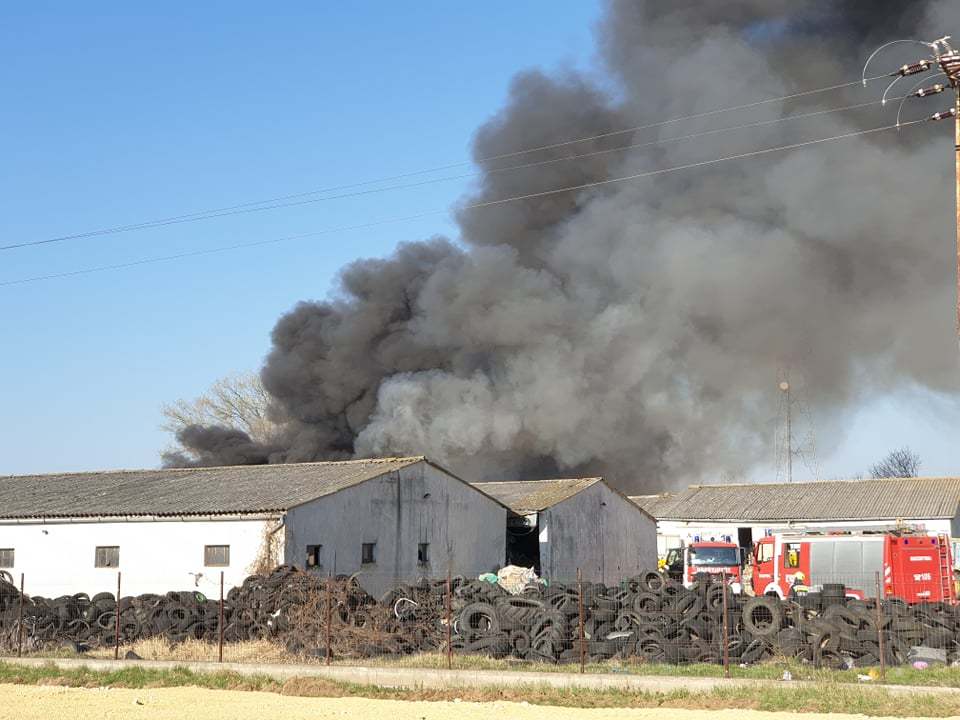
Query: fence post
(329,619)
(116,638)
(725,630)
(449,624)
(20,621)
(883,660)
(583,646)
(220,625)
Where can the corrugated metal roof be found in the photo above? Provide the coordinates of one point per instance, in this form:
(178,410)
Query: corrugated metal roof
(241,489)
(525,496)
(906,498)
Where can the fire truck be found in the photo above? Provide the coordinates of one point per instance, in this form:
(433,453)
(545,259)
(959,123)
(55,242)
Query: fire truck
(912,566)
(685,562)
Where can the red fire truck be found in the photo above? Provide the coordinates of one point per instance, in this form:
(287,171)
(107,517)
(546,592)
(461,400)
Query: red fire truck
(684,563)
(914,567)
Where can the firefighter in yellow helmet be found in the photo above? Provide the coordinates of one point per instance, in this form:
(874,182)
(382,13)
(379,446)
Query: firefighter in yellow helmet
(799,584)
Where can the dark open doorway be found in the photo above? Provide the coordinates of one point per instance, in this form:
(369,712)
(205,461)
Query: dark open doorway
(523,542)
(745,539)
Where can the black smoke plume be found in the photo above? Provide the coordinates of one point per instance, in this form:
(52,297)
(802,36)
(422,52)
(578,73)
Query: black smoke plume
(636,329)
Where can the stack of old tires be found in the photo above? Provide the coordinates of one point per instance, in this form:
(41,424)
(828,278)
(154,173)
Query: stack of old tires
(646,617)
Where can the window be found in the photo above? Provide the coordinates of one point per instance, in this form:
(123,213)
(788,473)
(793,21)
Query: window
(6,557)
(314,553)
(108,556)
(716,556)
(764,552)
(423,553)
(216,555)
(368,553)
(791,555)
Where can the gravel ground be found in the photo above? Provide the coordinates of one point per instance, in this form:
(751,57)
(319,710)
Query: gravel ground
(24,702)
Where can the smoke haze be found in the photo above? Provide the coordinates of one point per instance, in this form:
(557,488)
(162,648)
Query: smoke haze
(636,329)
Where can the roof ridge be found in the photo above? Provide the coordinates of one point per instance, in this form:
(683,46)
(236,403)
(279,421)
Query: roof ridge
(542,480)
(130,471)
(850,481)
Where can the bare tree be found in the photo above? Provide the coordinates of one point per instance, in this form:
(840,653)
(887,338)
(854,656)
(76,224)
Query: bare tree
(237,401)
(902,463)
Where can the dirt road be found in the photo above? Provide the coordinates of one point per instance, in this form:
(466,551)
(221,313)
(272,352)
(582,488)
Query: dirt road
(27,702)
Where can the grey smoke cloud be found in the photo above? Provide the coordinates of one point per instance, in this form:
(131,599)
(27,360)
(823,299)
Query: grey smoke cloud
(636,330)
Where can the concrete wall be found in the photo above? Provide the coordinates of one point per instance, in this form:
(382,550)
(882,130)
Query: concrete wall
(57,558)
(418,504)
(599,531)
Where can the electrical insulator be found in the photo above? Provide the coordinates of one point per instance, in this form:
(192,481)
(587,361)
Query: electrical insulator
(917,67)
(927,91)
(952,112)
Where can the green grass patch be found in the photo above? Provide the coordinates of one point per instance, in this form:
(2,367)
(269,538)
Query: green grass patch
(936,676)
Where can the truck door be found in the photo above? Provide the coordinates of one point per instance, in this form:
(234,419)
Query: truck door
(762,565)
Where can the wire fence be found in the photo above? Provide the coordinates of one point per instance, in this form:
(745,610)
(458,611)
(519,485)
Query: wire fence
(648,618)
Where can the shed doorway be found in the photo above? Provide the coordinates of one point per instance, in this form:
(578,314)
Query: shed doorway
(523,541)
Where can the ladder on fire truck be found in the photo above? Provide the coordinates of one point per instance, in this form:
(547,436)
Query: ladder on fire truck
(946,572)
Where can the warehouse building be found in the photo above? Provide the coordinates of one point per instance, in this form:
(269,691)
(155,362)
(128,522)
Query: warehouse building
(391,520)
(558,526)
(746,512)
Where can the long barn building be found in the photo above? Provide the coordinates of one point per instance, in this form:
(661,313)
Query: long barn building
(746,512)
(390,520)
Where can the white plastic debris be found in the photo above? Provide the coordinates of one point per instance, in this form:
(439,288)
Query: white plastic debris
(515,579)
(787,675)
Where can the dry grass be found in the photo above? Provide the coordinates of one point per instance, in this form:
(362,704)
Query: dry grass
(826,698)
(157,648)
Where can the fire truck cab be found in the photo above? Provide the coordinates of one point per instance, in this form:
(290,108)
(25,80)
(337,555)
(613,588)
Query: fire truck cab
(914,567)
(685,562)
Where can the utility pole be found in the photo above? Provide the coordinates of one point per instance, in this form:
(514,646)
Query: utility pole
(785,389)
(948,60)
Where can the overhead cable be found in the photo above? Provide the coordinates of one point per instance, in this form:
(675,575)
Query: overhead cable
(471,206)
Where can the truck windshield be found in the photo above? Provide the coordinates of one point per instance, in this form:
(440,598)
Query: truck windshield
(714,556)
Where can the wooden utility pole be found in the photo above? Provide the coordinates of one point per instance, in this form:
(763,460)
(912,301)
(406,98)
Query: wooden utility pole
(956,152)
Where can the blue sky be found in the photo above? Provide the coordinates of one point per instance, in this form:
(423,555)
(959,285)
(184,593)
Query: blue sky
(116,114)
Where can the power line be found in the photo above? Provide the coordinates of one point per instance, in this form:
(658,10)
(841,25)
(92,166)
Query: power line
(262,205)
(478,205)
(509,168)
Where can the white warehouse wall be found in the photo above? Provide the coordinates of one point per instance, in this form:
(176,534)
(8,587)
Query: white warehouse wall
(57,558)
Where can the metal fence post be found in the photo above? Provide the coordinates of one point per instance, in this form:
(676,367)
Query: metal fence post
(725,630)
(220,653)
(20,621)
(581,631)
(116,639)
(329,619)
(883,660)
(449,624)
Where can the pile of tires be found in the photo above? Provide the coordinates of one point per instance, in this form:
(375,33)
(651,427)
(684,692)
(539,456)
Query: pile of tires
(646,617)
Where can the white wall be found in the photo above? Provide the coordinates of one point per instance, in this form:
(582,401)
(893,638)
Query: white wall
(155,557)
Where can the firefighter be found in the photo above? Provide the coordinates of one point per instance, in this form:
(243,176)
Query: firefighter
(799,586)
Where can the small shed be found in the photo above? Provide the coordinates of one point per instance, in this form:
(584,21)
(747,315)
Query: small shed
(560,526)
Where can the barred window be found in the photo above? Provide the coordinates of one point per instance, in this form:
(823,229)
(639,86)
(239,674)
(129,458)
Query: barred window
(423,553)
(107,556)
(6,557)
(216,555)
(368,553)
